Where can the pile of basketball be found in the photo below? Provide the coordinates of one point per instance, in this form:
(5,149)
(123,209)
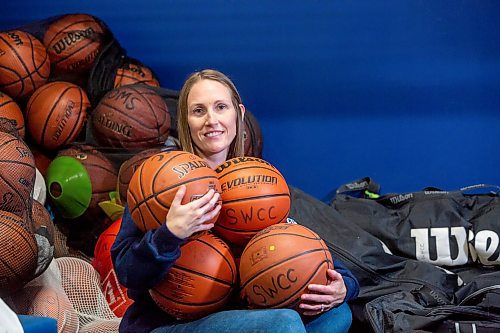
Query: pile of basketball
(47,150)
(278,261)
(82,149)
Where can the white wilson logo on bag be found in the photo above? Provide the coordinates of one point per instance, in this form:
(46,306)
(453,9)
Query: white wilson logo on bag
(481,246)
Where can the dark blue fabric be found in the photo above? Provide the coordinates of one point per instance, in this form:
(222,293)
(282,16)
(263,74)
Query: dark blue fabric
(142,260)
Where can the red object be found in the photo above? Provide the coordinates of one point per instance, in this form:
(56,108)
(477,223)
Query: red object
(115,293)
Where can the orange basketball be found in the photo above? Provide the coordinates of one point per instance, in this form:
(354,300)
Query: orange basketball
(24,63)
(10,110)
(201,280)
(73,42)
(131,73)
(47,301)
(18,254)
(17,176)
(254,196)
(131,117)
(56,113)
(128,168)
(154,185)
(279,263)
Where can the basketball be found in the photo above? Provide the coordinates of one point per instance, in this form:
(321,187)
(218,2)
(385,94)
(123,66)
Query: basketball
(154,185)
(56,113)
(78,179)
(279,263)
(130,73)
(254,196)
(24,63)
(47,301)
(10,110)
(44,233)
(8,126)
(128,168)
(115,293)
(73,42)
(18,254)
(131,117)
(201,280)
(42,159)
(17,176)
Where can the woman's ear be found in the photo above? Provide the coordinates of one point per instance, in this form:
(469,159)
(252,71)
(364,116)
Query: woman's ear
(242,108)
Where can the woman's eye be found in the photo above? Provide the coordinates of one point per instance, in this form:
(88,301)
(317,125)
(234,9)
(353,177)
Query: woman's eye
(197,111)
(221,106)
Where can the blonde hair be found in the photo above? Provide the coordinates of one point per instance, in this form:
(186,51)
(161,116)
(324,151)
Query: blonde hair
(237,146)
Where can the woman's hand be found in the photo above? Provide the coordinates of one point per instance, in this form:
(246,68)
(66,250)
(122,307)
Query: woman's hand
(323,297)
(185,220)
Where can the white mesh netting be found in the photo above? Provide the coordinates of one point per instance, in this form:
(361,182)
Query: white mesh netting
(81,283)
(68,291)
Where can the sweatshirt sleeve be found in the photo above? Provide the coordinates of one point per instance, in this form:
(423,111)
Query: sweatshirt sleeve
(141,260)
(350,280)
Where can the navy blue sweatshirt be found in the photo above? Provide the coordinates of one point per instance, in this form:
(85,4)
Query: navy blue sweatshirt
(142,260)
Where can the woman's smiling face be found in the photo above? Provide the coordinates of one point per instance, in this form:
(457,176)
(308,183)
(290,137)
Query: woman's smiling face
(211,118)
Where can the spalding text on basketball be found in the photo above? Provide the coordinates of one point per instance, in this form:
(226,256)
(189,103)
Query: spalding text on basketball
(15,38)
(237,160)
(23,152)
(71,38)
(184,168)
(106,121)
(246,216)
(249,181)
(62,120)
(278,282)
(127,98)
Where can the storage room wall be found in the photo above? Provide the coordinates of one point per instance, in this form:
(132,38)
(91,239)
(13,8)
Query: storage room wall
(406,92)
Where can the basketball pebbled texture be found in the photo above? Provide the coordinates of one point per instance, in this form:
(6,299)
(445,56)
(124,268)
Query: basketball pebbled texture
(279,263)
(131,116)
(24,64)
(201,280)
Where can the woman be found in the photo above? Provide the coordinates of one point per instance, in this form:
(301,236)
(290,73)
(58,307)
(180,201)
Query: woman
(210,124)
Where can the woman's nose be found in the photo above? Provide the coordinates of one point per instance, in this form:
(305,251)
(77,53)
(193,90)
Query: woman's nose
(211,117)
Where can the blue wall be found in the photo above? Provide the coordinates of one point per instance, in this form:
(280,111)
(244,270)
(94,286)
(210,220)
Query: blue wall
(406,92)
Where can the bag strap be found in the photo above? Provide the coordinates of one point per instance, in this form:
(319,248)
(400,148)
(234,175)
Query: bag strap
(361,188)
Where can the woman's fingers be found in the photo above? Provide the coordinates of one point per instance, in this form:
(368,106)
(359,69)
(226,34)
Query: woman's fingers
(179,195)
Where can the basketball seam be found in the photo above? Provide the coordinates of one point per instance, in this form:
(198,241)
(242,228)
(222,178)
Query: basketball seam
(49,115)
(237,168)
(77,125)
(312,237)
(155,115)
(300,288)
(269,267)
(233,275)
(190,303)
(19,58)
(35,250)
